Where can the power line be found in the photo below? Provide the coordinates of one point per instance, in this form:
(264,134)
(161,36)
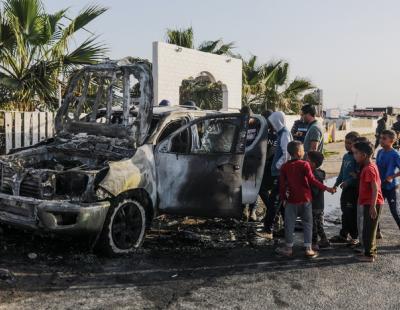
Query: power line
(92,33)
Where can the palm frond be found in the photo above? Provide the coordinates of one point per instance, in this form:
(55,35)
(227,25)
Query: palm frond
(298,86)
(217,47)
(79,22)
(89,52)
(33,47)
(26,12)
(180,37)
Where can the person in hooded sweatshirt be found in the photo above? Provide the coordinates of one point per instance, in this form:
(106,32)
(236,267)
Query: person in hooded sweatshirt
(281,156)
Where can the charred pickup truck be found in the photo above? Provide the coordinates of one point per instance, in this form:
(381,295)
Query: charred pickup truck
(115,163)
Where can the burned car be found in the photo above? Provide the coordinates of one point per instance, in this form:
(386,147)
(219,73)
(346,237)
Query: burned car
(116,162)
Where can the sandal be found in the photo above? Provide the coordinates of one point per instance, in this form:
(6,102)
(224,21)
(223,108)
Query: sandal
(353,243)
(311,253)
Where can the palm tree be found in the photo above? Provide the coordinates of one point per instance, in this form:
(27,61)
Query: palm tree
(256,79)
(217,47)
(283,94)
(181,37)
(291,98)
(35,50)
(205,94)
(267,86)
(185,38)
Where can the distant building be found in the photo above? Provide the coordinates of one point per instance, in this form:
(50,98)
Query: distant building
(374,112)
(332,113)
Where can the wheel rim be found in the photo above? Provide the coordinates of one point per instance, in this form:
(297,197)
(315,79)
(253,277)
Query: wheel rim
(127,226)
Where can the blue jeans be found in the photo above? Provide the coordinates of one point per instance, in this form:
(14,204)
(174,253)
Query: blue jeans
(305,212)
(393,199)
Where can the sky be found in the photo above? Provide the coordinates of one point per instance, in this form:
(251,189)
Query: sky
(348,48)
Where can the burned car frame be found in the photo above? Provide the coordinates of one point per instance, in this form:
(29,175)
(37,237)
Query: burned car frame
(114,164)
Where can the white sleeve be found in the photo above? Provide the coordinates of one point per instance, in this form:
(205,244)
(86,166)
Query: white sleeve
(285,139)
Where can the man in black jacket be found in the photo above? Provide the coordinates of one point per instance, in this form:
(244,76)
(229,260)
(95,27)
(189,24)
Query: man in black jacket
(379,128)
(396,128)
(299,130)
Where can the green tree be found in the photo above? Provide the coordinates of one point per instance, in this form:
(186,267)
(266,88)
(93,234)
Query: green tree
(206,95)
(185,38)
(181,37)
(217,47)
(267,86)
(35,50)
(256,79)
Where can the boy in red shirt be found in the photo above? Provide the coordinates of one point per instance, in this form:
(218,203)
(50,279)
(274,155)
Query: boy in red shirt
(370,198)
(296,178)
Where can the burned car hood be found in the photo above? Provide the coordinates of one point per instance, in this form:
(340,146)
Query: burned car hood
(99,101)
(68,167)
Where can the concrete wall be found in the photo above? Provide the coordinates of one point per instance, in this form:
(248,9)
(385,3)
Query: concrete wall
(172,64)
(336,130)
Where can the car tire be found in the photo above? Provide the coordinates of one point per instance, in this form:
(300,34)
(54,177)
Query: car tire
(124,228)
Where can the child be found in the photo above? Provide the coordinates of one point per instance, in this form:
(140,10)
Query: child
(388,160)
(294,188)
(360,210)
(369,198)
(348,199)
(316,159)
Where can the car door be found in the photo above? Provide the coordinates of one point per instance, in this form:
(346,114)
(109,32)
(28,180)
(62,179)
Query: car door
(254,160)
(202,176)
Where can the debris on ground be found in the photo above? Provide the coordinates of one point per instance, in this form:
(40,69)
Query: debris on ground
(32,255)
(6,276)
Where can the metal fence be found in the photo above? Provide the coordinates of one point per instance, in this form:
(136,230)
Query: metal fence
(20,129)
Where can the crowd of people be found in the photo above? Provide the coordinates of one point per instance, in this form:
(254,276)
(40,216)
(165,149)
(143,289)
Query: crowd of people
(293,185)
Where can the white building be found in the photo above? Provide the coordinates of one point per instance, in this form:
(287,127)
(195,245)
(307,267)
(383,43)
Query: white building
(172,64)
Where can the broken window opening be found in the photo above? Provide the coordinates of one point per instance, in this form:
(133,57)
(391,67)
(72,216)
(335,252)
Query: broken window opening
(170,128)
(99,97)
(210,136)
(216,135)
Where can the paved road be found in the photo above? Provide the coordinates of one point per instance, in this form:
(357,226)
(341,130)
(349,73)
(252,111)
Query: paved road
(197,275)
(215,265)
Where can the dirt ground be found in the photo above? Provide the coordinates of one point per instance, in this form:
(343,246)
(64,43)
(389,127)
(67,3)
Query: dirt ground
(196,264)
(334,159)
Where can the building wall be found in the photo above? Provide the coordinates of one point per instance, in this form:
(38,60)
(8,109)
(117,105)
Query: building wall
(172,64)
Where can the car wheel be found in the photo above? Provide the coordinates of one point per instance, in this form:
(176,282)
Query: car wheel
(124,228)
